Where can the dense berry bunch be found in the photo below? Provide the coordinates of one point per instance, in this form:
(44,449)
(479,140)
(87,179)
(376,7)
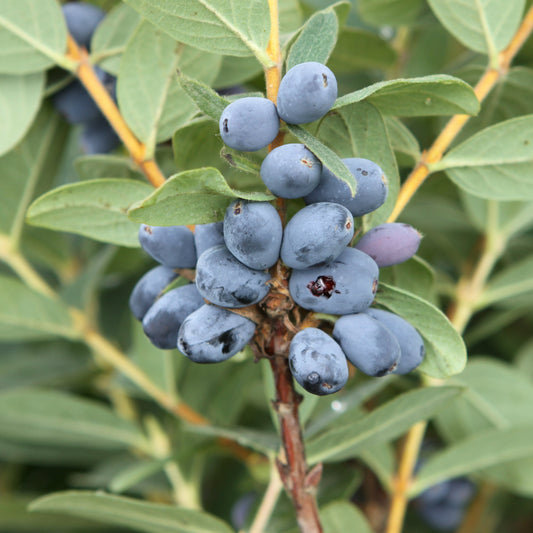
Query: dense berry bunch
(73,101)
(328,275)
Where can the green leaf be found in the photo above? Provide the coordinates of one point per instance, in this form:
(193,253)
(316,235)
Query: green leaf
(327,157)
(383,424)
(307,47)
(130,513)
(415,276)
(206,99)
(229,27)
(134,474)
(91,167)
(195,196)
(486,449)
(437,94)
(235,70)
(20,99)
(496,163)
(47,417)
(445,349)
(485,27)
(372,52)
(95,209)
(29,315)
(389,12)
(33,34)
(343,516)
(111,36)
(403,142)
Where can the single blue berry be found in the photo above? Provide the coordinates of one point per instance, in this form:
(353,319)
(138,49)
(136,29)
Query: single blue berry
(172,246)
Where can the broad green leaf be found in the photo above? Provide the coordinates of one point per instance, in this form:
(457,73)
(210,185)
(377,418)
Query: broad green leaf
(372,52)
(95,209)
(130,513)
(111,36)
(438,94)
(195,196)
(403,142)
(495,163)
(485,26)
(489,448)
(383,424)
(389,12)
(205,98)
(20,99)
(235,70)
(134,474)
(327,157)
(34,160)
(229,27)
(380,458)
(47,417)
(517,280)
(91,167)
(445,349)
(307,47)
(28,315)
(343,516)
(33,34)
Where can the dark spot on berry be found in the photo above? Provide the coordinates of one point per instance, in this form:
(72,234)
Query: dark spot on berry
(227,339)
(364,173)
(225,125)
(237,208)
(324,80)
(348,224)
(184,345)
(313,378)
(375,284)
(307,163)
(322,286)
(148,229)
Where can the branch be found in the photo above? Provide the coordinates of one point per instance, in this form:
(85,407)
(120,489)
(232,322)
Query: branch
(456,123)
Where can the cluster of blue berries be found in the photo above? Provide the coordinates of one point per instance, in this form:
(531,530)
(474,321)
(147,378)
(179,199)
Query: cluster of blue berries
(328,275)
(73,101)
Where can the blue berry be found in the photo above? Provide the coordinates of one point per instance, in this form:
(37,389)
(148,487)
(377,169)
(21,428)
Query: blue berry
(306,93)
(82,20)
(172,246)
(224,280)
(317,362)
(249,124)
(390,244)
(411,343)
(345,286)
(371,192)
(317,234)
(212,334)
(291,171)
(208,235)
(98,137)
(148,288)
(163,320)
(368,345)
(253,233)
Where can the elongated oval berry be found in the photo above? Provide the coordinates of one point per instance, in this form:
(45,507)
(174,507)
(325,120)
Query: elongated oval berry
(317,362)
(82,20)
(368,344)
(208,235)
(249,123)
(291,171)
(372,188)
(317,234)
(163,320)
(390,244)
(345,286)
(306,93)
(253,233)
(148,288)
(411,344)
(224,280)
(172,246)
(212,334)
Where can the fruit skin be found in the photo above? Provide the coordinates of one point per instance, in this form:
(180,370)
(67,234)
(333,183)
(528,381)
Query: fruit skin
(147,289)
(306,93)
(390,243)
(411,343)
(249,123)
(98,137)
(372,188)
(163,320)
(253,233)
(172,246)
(317,362)
(224,280)
(212,334)
(208,235)
(368,344)
(82,20)
(291,171)
(317,234)
(344,286)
